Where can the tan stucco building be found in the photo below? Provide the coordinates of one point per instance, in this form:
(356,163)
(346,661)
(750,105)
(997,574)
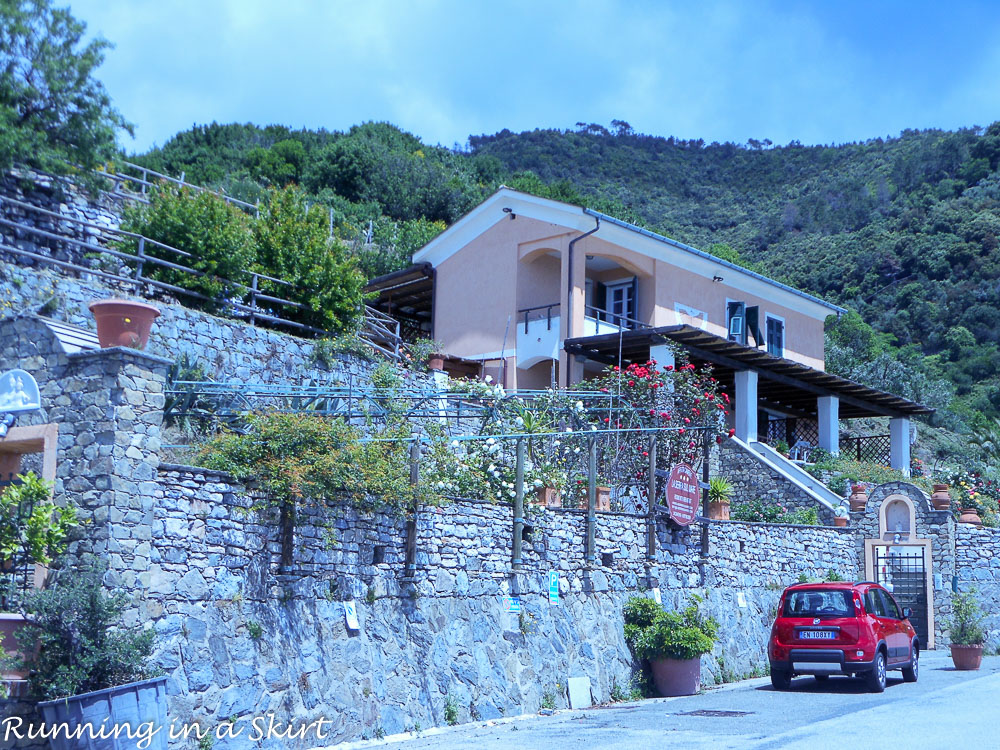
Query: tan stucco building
(541,293)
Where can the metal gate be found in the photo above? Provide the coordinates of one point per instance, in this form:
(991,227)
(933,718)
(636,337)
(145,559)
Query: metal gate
(903,570)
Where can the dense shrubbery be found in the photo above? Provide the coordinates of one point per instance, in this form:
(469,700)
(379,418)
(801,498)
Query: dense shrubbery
(654,633)
(287,241)
(768,511)
(75,640)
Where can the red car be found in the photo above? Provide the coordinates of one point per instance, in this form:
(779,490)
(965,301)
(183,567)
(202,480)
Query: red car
(841,628)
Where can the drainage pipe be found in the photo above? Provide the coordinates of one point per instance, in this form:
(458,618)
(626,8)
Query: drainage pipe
(569,279)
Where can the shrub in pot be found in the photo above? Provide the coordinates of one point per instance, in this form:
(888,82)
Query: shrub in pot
(672,642)
(965,629)
(33,530)
(720,492)
(84,664)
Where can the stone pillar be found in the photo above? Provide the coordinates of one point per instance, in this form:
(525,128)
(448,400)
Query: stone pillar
(828,408)
(746,405)
(899,444)
(109,439)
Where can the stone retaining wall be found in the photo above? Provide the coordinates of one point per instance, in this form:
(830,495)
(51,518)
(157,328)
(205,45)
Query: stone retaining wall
(239,635)
(977,560)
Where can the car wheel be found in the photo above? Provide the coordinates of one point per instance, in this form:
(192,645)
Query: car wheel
(876,678)
(911,672)
(780,679)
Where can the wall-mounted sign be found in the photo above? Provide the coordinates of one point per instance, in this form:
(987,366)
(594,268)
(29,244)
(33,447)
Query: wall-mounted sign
(554,587)
(18,392)
(682,494)
(351,615)
(512,604)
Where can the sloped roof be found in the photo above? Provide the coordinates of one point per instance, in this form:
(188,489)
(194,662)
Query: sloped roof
(495,208)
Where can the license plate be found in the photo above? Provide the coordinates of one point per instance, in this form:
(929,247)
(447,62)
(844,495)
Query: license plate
(817,635)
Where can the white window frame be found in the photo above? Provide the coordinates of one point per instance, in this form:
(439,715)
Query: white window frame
(784,333)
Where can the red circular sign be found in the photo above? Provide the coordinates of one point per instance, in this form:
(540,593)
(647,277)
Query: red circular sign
(682,494)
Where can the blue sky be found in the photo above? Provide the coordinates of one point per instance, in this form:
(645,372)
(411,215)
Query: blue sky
(816,72)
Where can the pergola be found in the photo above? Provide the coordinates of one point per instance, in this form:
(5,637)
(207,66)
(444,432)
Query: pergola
(759,380)
(408,296)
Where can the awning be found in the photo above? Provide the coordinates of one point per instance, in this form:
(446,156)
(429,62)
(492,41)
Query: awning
(784,386)
(407,295)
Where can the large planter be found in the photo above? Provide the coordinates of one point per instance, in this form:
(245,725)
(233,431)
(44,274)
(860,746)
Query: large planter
(718,510)
(840,521)
(548,497)
(971,517)
(858,499)
(122,322)
(940,497)
(133,704)
(435,362)
(602,501)
(966,657)
(676,676)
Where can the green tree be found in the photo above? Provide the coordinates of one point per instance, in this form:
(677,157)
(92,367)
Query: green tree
(293,243)
(214,233)
(52,109)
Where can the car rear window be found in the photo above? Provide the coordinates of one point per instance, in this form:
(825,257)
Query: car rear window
(818,603)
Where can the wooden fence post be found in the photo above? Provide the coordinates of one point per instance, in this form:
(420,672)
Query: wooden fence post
(515,559)
(411,522)
(591,500)
(651,504)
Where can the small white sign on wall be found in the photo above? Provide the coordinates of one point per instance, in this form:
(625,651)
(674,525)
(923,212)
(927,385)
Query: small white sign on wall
(656,596)
(351,615)
(741,599)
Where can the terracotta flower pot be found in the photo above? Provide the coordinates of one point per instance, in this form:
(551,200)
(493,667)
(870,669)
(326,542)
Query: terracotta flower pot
(840,521)
(971,517)
(435,362)
(940,497)
(966,657)
(122,322)
(718,510)
(602,501)
(548,497)
(676,676)
(859,498)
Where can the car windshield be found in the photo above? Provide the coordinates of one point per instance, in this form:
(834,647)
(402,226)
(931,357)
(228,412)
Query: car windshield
(818,603)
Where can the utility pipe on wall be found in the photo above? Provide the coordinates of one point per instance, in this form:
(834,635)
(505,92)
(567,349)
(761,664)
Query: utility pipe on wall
(569,278)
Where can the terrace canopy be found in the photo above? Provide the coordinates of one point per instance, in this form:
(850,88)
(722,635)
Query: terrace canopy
(761,381)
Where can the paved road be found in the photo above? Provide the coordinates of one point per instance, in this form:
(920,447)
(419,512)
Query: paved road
(943,708)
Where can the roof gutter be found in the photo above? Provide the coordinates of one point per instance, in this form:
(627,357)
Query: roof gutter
(569,274)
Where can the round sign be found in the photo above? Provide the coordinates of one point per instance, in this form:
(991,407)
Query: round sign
(682,494)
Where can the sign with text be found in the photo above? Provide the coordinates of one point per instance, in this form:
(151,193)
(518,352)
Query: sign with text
(682,494)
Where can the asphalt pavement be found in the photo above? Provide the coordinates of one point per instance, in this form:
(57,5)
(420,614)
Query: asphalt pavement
(942,708)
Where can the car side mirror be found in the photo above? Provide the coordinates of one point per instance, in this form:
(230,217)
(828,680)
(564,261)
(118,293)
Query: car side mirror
(907,612)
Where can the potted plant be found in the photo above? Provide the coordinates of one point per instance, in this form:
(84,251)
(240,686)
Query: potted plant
(425,353)
(122,322)
(549,479)
(840,515)
(941,497)
(83,664)
(672,642)
(965,629)
(33,531)
(970,510)
(720,492)
(859,497)
(603,494)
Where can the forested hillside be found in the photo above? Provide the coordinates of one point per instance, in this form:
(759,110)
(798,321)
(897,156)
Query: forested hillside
(903,230)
